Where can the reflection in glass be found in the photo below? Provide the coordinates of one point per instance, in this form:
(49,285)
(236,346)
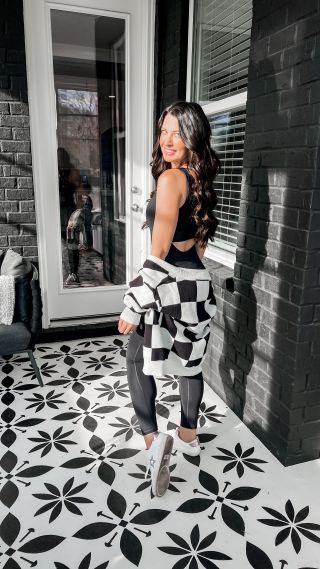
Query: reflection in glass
(89,80)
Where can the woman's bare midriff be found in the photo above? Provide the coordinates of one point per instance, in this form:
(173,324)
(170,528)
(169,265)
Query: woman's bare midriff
(184,246)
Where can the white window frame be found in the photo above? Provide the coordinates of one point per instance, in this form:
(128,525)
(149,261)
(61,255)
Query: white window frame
(222,252)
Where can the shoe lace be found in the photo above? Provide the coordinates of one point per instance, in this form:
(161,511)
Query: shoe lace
(148,468)
(148,471)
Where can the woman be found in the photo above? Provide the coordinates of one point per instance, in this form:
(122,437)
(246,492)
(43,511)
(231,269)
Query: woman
(74,228)
(170,304)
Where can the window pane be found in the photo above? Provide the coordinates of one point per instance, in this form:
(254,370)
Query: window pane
(222,41)
(89,80)
(228,140)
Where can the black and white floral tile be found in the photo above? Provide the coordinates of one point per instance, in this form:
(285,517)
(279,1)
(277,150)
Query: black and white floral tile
(74,492)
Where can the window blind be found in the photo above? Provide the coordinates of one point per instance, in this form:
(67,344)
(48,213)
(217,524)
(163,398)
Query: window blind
(228,140)
(223,29)
(222,33)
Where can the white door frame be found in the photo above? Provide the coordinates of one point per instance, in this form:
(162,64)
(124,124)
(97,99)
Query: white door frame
(44,160)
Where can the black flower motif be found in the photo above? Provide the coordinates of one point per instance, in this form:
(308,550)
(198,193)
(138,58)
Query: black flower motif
(56,499)
(12,360)
(10,424)
(142,475)
(238,459)
(91,343)
(14,473)
(292,524)
(45,369)
(126,427)
(119,346)
(10,529)
(169,381)
(110,391)
(195,551)
(130,544)
(102,461)
(98,363)
(40,401)
(87,412)
(47,442)
(85,564)
(74,379)
(225,502)
(66,353)
(208,413)
(258,558)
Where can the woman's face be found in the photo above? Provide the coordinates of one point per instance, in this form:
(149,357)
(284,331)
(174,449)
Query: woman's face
(172,146)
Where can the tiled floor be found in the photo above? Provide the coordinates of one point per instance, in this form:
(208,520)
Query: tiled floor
(73,493)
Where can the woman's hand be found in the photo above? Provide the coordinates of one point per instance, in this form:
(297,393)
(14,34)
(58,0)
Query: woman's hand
(125,327)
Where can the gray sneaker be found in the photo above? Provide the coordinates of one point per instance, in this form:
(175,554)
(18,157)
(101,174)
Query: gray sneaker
(159,455)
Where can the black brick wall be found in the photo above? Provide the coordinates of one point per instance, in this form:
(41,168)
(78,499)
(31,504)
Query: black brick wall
(171,50)
(264,353)
(17,212)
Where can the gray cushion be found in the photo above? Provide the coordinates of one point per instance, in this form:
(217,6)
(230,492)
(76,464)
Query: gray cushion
(14,264)
(23,304)
(13,338)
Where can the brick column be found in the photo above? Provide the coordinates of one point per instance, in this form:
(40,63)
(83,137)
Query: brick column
(17,215)
(265,347)
(171,50)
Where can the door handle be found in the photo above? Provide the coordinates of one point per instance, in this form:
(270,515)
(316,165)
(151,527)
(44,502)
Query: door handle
(136,207)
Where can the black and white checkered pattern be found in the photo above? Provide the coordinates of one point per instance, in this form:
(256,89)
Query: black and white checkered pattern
(178,305)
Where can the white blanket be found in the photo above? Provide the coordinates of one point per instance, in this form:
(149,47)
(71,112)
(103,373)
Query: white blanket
(7,297)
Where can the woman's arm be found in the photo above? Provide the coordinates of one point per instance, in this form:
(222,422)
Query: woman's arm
(168,199)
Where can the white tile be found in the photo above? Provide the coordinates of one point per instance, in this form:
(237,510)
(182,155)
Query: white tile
(85,402)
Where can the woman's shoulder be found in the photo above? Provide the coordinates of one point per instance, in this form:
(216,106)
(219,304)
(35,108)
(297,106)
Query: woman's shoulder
(176,177)
(170,175)
(172,180)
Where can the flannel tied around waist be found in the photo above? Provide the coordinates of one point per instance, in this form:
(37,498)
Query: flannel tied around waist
(178,305)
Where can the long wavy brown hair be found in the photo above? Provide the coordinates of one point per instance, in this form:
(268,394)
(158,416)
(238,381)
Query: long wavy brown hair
(195,133)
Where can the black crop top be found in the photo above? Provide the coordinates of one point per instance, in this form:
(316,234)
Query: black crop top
(186,226)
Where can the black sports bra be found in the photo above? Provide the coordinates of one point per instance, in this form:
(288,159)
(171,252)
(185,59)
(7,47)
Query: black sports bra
(186,226)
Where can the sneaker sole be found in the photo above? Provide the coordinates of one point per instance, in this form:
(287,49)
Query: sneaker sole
(162,477)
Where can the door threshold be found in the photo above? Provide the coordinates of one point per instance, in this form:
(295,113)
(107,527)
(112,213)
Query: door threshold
(64,330)
(83,321)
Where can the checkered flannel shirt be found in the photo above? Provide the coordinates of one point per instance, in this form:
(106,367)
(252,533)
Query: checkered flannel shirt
(178,305)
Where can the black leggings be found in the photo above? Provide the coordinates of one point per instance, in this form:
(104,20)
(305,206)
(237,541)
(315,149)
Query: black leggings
(143,391)
(74,257)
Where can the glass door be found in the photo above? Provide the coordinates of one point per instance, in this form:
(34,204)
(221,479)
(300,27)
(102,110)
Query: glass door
(89,66)
(90,150)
